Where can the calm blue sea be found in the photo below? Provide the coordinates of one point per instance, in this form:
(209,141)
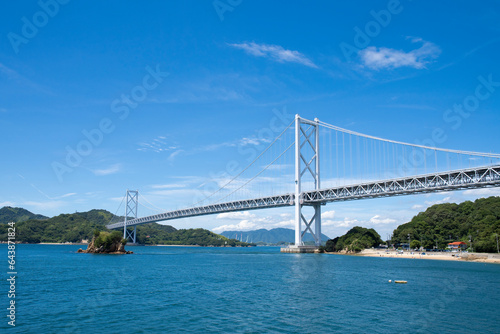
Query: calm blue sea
(245,290)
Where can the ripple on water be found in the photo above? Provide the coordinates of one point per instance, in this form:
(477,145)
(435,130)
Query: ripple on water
(258,290)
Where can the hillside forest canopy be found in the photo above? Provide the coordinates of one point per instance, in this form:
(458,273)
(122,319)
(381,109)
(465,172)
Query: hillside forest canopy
(80,226)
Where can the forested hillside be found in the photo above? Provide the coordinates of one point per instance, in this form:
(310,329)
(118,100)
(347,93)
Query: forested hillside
(444,223)
(9,214)
(80,226)
(355,240)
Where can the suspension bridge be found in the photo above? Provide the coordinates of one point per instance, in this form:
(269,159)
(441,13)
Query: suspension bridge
(312,163)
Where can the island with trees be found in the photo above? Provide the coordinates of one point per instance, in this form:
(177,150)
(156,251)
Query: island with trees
(79,227)
(355,240)
(106,243)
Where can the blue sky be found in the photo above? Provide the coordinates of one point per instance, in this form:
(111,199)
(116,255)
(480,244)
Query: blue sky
(161,96)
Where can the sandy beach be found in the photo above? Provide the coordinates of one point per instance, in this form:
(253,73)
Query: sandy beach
(448,256)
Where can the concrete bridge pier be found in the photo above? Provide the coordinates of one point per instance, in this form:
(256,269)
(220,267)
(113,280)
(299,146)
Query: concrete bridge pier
(300,249)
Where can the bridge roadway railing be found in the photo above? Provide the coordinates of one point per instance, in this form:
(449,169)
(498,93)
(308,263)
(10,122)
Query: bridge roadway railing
(446,181)
(480,177)
(244,205)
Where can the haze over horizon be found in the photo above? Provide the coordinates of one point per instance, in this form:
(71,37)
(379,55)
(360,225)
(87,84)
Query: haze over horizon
(164,96)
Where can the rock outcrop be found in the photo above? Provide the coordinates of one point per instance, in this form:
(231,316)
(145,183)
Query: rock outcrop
(105,244)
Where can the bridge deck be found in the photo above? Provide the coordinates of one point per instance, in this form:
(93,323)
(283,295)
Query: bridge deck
(480,177)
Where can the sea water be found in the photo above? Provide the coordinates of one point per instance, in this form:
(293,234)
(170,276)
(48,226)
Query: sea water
(245,290)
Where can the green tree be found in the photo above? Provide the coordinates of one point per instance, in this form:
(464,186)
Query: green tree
(415,244)
(355,240)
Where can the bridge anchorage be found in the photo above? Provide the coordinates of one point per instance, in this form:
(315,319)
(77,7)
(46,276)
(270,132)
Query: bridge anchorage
(372,167)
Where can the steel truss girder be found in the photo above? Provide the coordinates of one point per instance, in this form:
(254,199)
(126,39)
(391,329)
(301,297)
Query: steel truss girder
(480,177)
(244,205)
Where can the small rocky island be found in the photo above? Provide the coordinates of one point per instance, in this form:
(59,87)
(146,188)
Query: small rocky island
(106,243)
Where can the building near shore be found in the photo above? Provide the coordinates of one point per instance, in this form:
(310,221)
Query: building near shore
(457,246)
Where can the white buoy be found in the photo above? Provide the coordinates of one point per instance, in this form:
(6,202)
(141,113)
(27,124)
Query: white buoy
(390,281)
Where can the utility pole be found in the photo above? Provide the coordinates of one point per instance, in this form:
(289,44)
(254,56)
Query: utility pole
(409,242)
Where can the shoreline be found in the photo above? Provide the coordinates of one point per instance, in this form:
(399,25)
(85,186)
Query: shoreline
(445,256)
(61,243)
(174,246)
(129,245)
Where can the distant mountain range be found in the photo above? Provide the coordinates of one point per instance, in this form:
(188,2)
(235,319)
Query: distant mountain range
(274,236)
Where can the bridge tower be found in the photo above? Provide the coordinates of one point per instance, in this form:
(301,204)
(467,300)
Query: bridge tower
(131,211)
(306,162)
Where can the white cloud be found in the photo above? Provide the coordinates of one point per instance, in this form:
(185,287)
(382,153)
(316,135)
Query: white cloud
(417,207)
(275,52)
(236,215)
(157,145)
(176,193)
(108,171)
(7,203)
(244,225)
(208,88)
(66,195)
(444,200)
(10,73)
(16,78)
(285,224)
(250,221)
(328,215)
(43,193)
(347,222)
(43,206)
(483,192)
(254,141)
(168,186)
(379,220)
(172,156)
(381,58)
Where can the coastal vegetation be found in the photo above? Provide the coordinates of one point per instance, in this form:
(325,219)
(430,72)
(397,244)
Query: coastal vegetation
(9,214)
(80,226)
(106,243)
(63,228)
(106,239)
(153,234)
(355,240)
(476,223)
